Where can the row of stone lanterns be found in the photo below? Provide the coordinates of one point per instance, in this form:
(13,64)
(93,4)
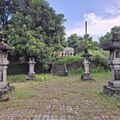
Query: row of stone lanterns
(113,86)
(4,85)
(113,47)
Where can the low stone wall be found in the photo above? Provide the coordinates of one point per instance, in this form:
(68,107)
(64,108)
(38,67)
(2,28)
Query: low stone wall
(75,65)
(23,68)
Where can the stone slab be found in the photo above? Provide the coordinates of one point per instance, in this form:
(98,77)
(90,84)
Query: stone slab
(115,84)
(59,69)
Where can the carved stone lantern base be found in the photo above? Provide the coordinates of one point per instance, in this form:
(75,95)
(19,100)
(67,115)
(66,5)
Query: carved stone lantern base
(5,88)
(112,88)
(31,77)
(86,76)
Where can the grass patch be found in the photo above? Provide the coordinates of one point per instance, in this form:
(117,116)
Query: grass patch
(17,78)
(76,71)
(109,102)
(90,89)
(21,94)
(69,59)
(44,77)
(22,78)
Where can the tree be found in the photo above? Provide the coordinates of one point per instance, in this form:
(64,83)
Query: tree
(80,43)
(73,40)
(36,30)
(108,36)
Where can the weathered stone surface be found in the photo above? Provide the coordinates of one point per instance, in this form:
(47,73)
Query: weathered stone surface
(59,69)
(31,73)
(113,86)
(4,85)
(86,66)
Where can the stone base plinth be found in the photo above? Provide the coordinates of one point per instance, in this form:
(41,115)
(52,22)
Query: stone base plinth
(31,77)
(5,88)
(86,77)
(111,90)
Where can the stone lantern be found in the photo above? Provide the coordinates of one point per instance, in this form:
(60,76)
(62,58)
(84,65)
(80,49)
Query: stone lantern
(31,74)
(4,49)
(86,65)
(113,47)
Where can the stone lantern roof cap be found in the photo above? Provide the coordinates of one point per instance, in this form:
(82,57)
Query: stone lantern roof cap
(115,42)
(3,45)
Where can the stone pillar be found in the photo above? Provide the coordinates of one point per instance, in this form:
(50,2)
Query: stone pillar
(5,73)
(86,64)
(31,74)
(4,85)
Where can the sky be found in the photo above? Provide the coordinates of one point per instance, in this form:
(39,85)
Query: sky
(101,15)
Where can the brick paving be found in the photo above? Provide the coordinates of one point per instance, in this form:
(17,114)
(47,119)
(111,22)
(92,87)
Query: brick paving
(58,101)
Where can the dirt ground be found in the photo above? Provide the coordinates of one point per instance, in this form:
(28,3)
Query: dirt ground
(62,99)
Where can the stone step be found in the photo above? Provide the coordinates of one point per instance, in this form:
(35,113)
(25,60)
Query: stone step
(115,84)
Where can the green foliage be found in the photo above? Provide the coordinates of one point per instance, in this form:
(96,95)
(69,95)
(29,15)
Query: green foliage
(98,70)
(36,30)
(99,57)
(69,59)
(104,40)
(80,43)
(76,71)
(44,77)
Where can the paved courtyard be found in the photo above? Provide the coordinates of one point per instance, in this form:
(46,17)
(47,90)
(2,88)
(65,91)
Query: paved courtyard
(58,100)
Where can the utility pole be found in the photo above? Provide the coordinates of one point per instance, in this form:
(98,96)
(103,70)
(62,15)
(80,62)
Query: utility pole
(85,36)
(85,27)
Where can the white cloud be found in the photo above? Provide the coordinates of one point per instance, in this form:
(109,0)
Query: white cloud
(96,25)
(112,9)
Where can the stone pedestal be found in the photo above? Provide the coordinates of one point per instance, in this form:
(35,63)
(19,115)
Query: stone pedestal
(4,85)
(113,86)
(86,64)
(31,74)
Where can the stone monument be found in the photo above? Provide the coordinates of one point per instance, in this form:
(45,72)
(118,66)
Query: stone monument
(113,47)
(4,85)
(31,74)
(86,65)
(59,69)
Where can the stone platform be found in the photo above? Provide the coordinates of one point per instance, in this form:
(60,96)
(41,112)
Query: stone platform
(86,77)
(112,88)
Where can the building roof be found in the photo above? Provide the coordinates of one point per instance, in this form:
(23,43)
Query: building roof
(68,49)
